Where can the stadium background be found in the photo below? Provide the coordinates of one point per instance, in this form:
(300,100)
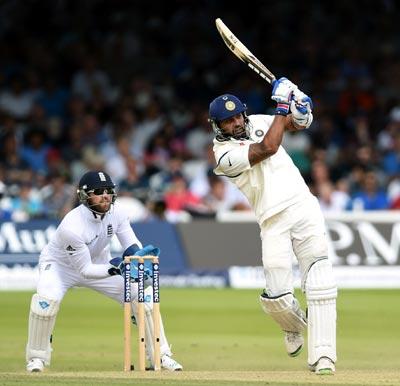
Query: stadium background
(125,86)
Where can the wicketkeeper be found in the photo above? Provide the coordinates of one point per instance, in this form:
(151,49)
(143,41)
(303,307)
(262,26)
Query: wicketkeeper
(79,255)
(248,150)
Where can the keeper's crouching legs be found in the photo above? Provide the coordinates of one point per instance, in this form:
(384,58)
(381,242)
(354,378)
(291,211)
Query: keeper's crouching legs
(42,318)
(321,294)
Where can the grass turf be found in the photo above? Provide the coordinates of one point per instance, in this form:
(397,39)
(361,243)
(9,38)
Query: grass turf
(220,336)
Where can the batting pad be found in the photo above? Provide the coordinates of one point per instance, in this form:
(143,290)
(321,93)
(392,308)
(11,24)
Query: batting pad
(42,318)
(285,310)
(321,293)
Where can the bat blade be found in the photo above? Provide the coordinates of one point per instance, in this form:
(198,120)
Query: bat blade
(242,52)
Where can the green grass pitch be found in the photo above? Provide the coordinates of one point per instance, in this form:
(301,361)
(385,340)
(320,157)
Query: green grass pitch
(221,336)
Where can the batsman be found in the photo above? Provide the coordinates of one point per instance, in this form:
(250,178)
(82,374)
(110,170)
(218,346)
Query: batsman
(78,255)
(248,150)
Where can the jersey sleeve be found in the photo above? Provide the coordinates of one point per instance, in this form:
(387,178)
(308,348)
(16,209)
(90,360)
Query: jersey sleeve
(79,256)
(233,161)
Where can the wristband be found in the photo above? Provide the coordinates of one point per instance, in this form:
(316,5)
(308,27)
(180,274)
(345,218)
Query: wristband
(282,109)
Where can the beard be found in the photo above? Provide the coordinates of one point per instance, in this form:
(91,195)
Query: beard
(101,208)
(240,133)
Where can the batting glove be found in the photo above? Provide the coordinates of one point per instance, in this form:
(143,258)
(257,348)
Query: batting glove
(282,92)
(303,100)
(300,107)
(117,266)
(300,119)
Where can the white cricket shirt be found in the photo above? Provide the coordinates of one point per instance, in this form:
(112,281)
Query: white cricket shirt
(271,185)
(82,240)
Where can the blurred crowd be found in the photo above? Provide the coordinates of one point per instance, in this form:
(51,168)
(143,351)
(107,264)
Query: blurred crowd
(125,87)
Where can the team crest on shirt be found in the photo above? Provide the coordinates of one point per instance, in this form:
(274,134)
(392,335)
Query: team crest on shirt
(109,230)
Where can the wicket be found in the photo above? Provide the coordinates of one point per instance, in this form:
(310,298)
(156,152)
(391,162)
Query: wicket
(140,320)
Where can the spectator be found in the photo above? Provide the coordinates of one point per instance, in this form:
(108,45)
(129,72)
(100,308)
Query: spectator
(330,199)
(90,80)
(58,197)
(200,136)
(117,165)
(53,98)
(14,166)
(35,151)
(5,205)
(394,192)
(217,199)
(391,161)
(370,197)
(179,199)
(134,185)
(26,204)
(15,100)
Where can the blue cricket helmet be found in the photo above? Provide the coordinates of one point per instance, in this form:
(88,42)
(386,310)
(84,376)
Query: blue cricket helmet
(95,180)
(223,107)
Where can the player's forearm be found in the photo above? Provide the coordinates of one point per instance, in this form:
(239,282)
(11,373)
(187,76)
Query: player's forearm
(95,271)
(82,262)
(270,143)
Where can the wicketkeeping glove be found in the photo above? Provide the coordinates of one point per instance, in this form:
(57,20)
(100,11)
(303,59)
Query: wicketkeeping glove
(147,272)
(117,266)
(282,92)
(131,250)
(148,250)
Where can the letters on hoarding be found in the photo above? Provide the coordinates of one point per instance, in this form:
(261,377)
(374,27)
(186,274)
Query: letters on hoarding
(22,242)
(364,243)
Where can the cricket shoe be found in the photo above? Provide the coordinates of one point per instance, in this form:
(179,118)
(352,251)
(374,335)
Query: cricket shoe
(167,363)
(324,366)
(35,365)
(294,342)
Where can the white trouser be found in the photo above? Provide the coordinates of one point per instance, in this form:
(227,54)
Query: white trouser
(297,231)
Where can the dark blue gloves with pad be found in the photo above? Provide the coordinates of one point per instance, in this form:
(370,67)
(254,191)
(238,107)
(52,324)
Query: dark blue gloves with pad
(117,265)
